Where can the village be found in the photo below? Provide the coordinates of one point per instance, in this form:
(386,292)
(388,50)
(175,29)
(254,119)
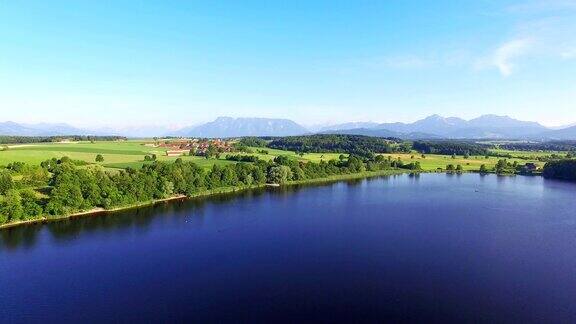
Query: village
(195,146)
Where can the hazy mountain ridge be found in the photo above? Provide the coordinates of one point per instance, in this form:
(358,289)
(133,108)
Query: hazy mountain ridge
(350,125)
(236,127)
(431,127)
(434,124)
(374,132)
(485,126)
(568,133)
(41,129)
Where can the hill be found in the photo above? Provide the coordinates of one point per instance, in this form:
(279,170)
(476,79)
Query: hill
(434,124)
(376,132)
(486,126)
(559,134)
(236,127)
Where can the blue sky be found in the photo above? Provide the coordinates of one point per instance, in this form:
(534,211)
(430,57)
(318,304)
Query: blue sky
(114,63)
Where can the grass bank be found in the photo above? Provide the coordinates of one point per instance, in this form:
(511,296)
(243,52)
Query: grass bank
(351,176)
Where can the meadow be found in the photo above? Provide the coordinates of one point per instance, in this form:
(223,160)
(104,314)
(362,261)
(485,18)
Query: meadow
(124,154)
(131,153)
(526,154)
(431,162)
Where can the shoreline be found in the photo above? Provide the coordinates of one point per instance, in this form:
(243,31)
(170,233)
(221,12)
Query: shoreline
(213,192)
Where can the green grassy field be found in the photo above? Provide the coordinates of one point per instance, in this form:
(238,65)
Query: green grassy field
(314,157)
(123,154)
(434,161)
(528,154)
(113,152)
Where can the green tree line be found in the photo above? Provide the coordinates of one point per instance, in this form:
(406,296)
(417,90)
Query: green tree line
(450,148)
(354,144)
(61,187)
(560,169)
(50,139)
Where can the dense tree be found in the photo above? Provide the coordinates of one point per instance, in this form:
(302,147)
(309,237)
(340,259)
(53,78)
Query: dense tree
(560,169)
(16,166)
(6,182)
(11,206)
(50,139)
(501,166)
(99,158)
(35,176)
(279,174)
(253,141)
(540,146)
(66,195)
(212,152)
(353,144)
(71,188)
(31,207)
(450,148)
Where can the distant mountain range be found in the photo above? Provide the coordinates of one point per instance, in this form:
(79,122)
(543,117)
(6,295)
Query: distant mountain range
(483,127)
(559,134)
(235,127)
(347,126)
(432,127)
(42,129)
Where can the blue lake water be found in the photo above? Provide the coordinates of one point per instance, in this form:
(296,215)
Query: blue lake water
(428,248)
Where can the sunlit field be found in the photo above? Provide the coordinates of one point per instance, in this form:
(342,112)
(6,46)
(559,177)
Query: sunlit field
(124,154)
(430,162)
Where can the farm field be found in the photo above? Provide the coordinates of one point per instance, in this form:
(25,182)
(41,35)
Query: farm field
(314,157)
(113,152)
(527,154)
(434,161)
(124,154)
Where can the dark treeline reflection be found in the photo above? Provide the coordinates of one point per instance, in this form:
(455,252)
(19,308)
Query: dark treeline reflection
(65,230)
(19,237)
(26,236)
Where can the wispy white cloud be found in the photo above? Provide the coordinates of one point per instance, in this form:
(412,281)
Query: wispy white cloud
(538,30)
(504,55)
(542,30)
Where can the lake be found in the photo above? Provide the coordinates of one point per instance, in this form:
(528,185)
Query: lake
(427,248)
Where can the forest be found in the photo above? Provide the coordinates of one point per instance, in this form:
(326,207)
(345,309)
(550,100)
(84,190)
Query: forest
(560,169)
(450,148)
(354,144)
(540,146)
(64,186)
(53,139)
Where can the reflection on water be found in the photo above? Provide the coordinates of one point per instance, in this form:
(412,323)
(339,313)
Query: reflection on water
(456,248)
(22,236)
(65,230)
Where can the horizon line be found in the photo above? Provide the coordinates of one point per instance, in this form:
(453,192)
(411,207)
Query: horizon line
(177,126)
